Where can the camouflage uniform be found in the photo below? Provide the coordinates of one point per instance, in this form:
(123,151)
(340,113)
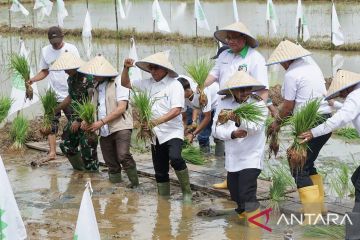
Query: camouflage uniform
(79,87)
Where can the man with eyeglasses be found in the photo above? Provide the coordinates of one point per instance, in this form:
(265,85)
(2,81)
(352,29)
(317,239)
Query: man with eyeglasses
(168,96)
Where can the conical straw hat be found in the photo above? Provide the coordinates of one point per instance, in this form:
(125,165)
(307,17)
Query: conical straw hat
(342,80)
(286,51)
(238,27)
(240,79)
(161,59)
(99,66)
(66,61)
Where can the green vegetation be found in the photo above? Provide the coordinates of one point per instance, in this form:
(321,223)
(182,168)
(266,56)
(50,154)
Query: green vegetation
(19,132)
(326,232)
(5,105)
(49,103)
(247,112)
(20,67)
(85,110)
(348,133)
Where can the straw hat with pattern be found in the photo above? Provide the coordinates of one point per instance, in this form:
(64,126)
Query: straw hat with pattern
(238,27)
(67,61)
(286,51)
(342,80)
(240,79)
(160,59)
(99,66)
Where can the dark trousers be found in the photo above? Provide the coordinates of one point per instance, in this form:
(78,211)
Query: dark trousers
(116,151)
(302,176)
(55,122)
(355,179)
(242,186)
(162,154)
(204,135)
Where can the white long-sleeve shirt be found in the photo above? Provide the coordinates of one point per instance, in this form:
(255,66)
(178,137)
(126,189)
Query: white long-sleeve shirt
(241,153)
(349,112)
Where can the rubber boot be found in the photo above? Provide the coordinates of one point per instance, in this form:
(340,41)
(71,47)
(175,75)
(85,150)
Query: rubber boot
(309,197)
(317,180)
(352,229)
(184,181)
(133,177)
(222,185)
(164,189)
(115,177)
(77,162)
(219,148)
(205,149)
(248,215)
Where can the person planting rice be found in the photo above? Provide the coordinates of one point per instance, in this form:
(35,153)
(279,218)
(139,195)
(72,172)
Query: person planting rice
(168,97)
(203,130)
(345,85)
(57,79)
(303,84)
(241,56)
(240,122)
(113,119)
(80,90)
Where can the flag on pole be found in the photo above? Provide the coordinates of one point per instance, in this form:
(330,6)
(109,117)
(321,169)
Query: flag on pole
(11,224)
(18,7)
(271,15)
(120,9)
(86,225)
(134,72)
(62,13)
(18,89)
(337,35)
(236,14)
(304,25)
(128,5)
(159,18)
(200,17)
(86,35)
(44,8)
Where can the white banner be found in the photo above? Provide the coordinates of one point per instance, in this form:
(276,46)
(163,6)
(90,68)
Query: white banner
(159,18)
(200,17)
(337,35)
(18,7)
(62,13)
(44,8)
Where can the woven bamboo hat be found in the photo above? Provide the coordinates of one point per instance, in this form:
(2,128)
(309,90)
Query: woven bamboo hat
(99,66)
(160,59)
(66,61)
(286,51)
(342,80)
(240,79)
(238,27)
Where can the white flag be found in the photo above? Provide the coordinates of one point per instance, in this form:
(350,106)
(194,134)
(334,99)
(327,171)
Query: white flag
(300,15)
(337,35)
(159,18)
(200,16)
(86,225)
(18,86)
(18,7)
(44,8)
(87,28)
(134,72)
(128,5)
(62,13)
(11,224)
(180,11)
(271,15)
(120,9)
(236,14)
(337,61)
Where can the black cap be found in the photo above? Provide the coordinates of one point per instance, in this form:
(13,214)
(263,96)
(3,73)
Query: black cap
(220,50)
(55,35)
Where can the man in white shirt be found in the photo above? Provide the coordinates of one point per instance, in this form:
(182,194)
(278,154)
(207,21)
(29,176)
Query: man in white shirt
(57,79)
(168,96)
(303,81)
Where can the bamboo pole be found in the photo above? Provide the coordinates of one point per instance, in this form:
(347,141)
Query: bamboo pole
(87,4)
(116,16)
(299,30)
(196,28)
(9,14)
(268,32)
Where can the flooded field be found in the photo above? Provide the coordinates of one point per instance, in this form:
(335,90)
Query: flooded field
(180,16)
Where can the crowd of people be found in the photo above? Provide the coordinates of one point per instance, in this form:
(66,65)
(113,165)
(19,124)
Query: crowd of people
(238,77)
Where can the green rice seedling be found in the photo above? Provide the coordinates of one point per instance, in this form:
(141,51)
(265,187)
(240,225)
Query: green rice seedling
(199,71)
(20,66)
(86,111)
(326,232)
(49,103)
(348,133)
(19,132)
(193,155)
(5,105)
(304,119)
(143,104)
(340,181)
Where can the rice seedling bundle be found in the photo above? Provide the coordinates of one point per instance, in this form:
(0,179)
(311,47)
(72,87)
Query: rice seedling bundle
(199,71)
(49,103)
(325,232)
(142,103)
(340,180)
(274,145)
(192,155)
(20,66)
(19,132)
(307,117)
(348,133)
(249,112)
(86,111)
(5,105)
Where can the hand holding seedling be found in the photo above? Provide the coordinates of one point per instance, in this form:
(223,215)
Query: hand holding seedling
(306,136)
(75,125)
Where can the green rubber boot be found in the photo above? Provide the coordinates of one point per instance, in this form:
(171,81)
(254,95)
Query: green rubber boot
(115,177)
(219,148)
(133,177)
(164,189)
(77,162)
(184,181)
